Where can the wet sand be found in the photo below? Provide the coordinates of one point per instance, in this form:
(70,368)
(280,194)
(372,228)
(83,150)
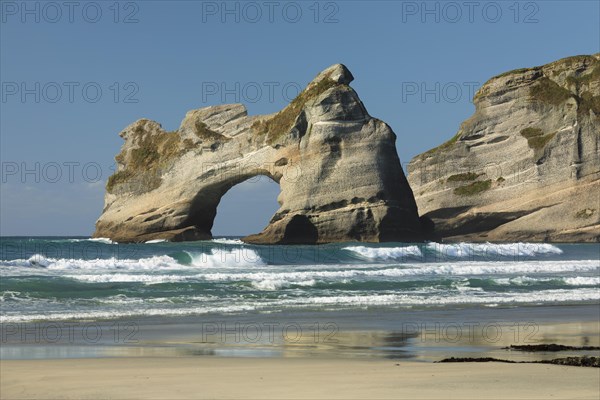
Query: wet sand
(420,335)
(370,354)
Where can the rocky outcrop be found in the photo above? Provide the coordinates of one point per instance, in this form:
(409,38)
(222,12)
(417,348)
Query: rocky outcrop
(526,165)
(337,167)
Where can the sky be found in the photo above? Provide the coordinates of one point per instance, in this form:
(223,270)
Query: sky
(74,74)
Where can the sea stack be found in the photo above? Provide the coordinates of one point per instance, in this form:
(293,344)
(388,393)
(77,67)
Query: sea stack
(337,167)
(526,165)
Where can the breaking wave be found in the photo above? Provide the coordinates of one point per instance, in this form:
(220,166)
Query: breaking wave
(461,250)
(228,276)
(385,253)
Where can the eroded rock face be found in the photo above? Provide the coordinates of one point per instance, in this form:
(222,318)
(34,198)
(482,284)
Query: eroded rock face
(337,167)
(526,165)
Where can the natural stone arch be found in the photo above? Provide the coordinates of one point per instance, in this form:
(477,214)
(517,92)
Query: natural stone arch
(337,167)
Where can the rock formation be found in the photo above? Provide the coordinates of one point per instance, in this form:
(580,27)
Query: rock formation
(337,167)
(526,165)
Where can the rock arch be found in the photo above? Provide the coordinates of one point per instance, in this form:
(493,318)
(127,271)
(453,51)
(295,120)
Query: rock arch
(337,167)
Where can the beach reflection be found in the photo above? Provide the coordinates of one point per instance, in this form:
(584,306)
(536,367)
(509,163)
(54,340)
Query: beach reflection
(350,338)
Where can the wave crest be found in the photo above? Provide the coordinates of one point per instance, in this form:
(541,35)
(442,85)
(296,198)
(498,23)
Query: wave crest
(462,250)
(385,253)
(226,258)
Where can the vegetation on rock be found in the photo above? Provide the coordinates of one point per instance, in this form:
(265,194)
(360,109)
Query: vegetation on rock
(204,132)
(282,122)
(367,198)
(144,163)
(585,213)
(467,176)
(547,169)
(548,91)
(579,80)
(514,71)
(536,139)
(588,102)
(473,188)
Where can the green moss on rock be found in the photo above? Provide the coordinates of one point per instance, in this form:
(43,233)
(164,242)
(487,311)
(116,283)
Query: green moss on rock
(144,163)
(536,139)
(188,144)
(204,132)
(116,179)
(473,188)
(467,176)
(515,71)
(587,102)
(540,142)
(549,92)
(278,125)
(579,80)
(531,132)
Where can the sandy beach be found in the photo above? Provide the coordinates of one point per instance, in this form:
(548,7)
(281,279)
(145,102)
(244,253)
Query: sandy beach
(247,378)
(371,356)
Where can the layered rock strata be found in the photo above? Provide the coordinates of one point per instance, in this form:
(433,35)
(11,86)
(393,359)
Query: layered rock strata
(526,165)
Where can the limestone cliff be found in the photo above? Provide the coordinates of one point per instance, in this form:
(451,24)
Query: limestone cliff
(526,165)
(337,167)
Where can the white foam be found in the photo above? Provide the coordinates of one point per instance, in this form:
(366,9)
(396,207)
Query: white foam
(528,280)
(461,250)
(227,241)
(521,280)
(121,313)
(218,258)
(385,253)
(102,240)
(37,260)
(544,296)
(150,263)
(439,269)
(456,250)
(583,281)
(463,286)
(11,295)
(275,284)
(126,300)
(128,278)
(227,258)
(361,300)
(98,240)
(156,241)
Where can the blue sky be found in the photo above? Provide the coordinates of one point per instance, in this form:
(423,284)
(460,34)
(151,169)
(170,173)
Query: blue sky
(74,76)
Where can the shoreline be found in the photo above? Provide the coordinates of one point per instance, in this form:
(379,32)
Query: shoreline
(369,352)
(244,378)
(416,335)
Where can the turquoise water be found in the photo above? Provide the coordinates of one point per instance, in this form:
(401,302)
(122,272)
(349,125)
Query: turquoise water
(57,279)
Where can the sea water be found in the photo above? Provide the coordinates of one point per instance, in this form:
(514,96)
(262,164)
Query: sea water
(61,279)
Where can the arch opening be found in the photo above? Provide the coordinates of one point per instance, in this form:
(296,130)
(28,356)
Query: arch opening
(235,207)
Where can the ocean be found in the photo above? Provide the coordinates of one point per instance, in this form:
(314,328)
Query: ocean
(62,279)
